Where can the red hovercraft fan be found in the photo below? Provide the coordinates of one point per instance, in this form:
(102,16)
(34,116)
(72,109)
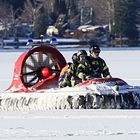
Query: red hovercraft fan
(38,68)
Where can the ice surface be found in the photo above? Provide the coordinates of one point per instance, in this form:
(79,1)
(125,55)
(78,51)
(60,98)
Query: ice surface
(74,124)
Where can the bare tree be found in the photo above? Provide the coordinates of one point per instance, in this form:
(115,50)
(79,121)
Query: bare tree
(100,10)
(30,12)
(49,4)
(6,17)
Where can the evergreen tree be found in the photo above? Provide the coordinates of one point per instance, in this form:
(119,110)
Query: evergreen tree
(126,19)
(41,22)
(60,7)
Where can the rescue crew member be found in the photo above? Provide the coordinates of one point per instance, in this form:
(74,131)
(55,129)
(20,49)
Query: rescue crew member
(62,76)
(70,75)
(84,71)
(99,66)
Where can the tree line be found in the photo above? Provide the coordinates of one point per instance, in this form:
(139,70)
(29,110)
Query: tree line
(122,16)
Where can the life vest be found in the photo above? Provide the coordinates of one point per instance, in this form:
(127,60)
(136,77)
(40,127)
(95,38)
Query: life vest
(65,70)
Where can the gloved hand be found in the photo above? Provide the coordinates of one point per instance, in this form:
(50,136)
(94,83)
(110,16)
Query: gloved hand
(72,81)
(83,78)
(88,77)
(108,76)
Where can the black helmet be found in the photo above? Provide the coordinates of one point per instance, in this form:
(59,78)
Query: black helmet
(74,57)
(94,48)
(81,52)
(69,64)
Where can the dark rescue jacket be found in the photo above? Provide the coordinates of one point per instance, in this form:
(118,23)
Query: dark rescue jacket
(99,67)
(84,69)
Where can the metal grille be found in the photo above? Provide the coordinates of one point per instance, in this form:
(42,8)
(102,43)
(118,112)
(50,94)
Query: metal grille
(33,65)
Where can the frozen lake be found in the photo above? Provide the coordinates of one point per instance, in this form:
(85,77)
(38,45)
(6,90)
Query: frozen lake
(74,124)
(123,63)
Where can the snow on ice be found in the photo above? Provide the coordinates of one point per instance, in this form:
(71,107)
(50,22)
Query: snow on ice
(74,124)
